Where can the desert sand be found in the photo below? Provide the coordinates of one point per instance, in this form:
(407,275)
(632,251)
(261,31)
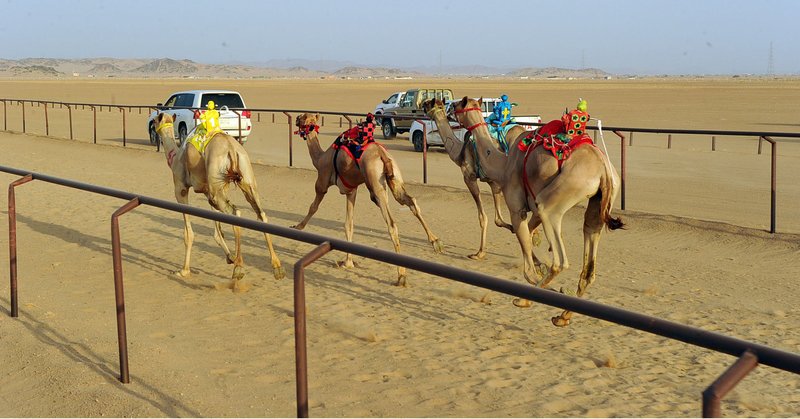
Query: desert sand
(695,251)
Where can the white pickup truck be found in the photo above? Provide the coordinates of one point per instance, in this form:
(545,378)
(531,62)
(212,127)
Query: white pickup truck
(434,139)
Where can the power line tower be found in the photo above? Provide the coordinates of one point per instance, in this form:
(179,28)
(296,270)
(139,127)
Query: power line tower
(770,62)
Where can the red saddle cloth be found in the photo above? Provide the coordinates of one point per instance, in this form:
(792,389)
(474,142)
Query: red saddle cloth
(355,140)
(552,137)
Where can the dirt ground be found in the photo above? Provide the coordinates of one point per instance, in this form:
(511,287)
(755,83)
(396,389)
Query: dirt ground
(696,251)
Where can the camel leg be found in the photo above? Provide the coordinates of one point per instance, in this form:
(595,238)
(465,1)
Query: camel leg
(497,197)
(401,196)
(381,199)
(472,185)
(321,191)
(592,228)
(221,203)
(219,237)
(348,227)
(251,194)
(529,267)
(182,196)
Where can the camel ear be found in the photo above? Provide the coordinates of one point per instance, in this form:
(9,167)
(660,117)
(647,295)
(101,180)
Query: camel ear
(174,117)
(318,118)
(157,120)
(464,102)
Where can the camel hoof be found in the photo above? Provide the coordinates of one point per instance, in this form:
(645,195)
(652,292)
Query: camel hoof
(228,259)
(522,303)
(297,227)
(402,282)
(477,256)
(438,247)
(183,273)
(346,264)
(278,272)
(238,274)
(560,321)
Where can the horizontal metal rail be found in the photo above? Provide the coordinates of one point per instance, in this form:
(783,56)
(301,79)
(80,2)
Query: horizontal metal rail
(776,358)
(755,134)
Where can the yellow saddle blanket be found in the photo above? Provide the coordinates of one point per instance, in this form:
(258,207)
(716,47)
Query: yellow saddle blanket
(200,140)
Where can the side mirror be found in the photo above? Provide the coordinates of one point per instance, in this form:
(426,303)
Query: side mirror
(159,106)
(385,102)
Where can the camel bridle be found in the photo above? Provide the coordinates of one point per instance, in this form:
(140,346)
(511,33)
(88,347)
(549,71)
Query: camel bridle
(465,110)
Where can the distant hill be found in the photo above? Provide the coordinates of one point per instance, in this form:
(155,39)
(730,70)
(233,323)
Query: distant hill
(353,71)
(34,71)
(288,68)
(555,72)
(168,66)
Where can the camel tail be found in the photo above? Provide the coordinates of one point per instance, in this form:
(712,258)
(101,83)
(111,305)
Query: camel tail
(607,192)
(234,173)
(388,165)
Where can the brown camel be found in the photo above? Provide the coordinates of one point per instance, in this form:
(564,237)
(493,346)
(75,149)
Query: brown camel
(376,169)
(463,155)
(535,181)
(223,162)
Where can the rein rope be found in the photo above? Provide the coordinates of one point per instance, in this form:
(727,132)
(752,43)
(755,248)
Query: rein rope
(304,130)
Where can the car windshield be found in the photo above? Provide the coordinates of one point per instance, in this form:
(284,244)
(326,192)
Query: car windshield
(231,100)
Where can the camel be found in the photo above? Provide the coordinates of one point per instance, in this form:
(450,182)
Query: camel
(376,169)
(224,162)
(534,181)
(463,155)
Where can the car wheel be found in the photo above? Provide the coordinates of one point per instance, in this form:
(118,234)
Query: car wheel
(417,141)
(388,129)
(153,135)
(182,133)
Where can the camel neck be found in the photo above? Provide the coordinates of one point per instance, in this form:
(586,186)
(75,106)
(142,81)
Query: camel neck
(451,142)
(314,149)
(493,160)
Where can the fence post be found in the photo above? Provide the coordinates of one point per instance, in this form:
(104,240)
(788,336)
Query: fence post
(622,168)
(124,135)
(12,240)
(5,117)
(349,121)
(119,294)
(424,151)
(69,109)
(669,141)
(289,119)
(240,127)
(94,112)
(46,121)
(773,185)
(23,116)
(726,382)
(630,139)
(713,143)
(300,341)
(760,140)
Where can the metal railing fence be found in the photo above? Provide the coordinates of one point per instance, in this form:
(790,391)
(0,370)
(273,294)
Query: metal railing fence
(346,116)
(748,353)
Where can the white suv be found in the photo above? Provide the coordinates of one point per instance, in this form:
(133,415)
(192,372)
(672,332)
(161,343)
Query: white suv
(235,123)
(392,102)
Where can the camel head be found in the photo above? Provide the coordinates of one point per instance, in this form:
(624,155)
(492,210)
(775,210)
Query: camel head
(431,105)
(468,111)
(306,123)
(163,121)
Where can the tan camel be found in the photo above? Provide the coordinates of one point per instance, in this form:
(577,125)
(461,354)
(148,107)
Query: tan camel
(224,162)
(533,181)
(463,155)
(376,169)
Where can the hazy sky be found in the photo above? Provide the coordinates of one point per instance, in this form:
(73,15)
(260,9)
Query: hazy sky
(644,36)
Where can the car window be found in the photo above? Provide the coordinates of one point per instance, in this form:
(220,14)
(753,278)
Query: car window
(171,101)
(410,98)
(447,95)
(392,99)
(184,100)
(231,100)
